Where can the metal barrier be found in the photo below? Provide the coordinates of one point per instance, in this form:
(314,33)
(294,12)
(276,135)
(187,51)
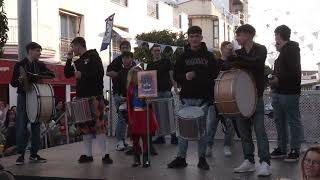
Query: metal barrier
(309,109)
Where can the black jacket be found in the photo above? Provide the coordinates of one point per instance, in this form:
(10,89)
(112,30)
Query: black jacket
(287,68)
(91,68)
(35,67)
(253,62)
(116,65)
(163,67)
(203,63)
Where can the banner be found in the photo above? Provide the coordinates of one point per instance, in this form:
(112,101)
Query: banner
(108,33)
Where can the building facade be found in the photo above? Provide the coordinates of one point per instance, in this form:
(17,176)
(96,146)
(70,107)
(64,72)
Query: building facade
(56,23)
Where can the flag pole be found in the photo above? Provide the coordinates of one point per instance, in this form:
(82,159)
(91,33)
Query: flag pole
(110,95)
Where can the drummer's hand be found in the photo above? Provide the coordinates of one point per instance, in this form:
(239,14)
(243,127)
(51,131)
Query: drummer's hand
(190,75)
(70,54)
(77,74)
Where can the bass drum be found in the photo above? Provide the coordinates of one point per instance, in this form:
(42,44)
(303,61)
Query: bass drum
(235,94)
(40,105)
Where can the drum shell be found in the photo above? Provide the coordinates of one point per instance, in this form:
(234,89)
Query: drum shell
(226,93)
(79,110)
(40,104)
(164,110)
(191,128)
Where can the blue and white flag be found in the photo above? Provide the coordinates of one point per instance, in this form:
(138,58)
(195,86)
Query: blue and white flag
(108,33)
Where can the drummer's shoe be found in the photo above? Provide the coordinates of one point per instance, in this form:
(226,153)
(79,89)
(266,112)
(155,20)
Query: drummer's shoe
(159,140)
(85,159)
(174,139)
(246,166)
(178,162)
(203,164)
(20,160)
(106,159)
(264,169)
(146,162)
(136,159)
(277,154)
(37,159)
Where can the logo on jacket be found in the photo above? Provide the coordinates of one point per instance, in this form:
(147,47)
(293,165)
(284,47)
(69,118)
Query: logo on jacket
(86,61)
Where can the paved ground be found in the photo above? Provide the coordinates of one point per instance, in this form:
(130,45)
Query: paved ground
(62,162)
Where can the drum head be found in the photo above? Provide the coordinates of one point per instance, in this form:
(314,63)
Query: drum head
(245,94)
(32,103)
(190,112)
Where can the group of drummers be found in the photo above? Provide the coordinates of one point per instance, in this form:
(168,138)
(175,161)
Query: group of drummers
(230,88)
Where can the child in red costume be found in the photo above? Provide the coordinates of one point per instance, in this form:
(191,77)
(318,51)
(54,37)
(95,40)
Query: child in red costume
(137,119)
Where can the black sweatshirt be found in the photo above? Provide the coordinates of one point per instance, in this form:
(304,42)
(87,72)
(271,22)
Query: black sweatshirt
(203,63)
(253,62)
(287,68)
(116,65)
(163,67)
(35,67)
(91,68)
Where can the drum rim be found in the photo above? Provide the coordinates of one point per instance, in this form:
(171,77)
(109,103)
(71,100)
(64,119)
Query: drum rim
(38,106)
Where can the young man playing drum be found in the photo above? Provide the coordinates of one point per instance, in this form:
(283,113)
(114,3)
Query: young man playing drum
(195,70)
(32,65)
(165,82)
(251,57)
(88,70)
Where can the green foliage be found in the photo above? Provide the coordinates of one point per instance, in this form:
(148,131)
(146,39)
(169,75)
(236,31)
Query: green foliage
(3,27)
(166,37)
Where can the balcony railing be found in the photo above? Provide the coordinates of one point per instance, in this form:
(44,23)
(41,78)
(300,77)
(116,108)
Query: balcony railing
(13,31)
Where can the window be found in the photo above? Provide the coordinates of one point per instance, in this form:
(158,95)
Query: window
(216,33)
(153,9)
(69,29)
(121,2)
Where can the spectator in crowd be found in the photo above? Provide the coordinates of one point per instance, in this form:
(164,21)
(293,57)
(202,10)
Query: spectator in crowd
(3,111)
(310,164)
(10,127)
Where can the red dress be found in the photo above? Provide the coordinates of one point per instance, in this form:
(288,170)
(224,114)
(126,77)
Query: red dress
(137,120)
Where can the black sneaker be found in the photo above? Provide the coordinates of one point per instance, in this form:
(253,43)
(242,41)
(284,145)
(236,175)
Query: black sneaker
(203,164)
(85,159)
(145,161)
(20,160)
(106,159)
(277,154)
(159,140)
(174,140)
(1,167)
(136,159)
(293,156)
(178,162)
(37,159)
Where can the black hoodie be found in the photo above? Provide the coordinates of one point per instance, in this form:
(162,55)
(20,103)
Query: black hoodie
(203,63)
(253,62)
(287,68)
(91,68)
(35,67)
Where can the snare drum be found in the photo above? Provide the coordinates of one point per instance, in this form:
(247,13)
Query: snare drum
(40,104)
(79,110)
(235,94)
(191,123)
(163,109)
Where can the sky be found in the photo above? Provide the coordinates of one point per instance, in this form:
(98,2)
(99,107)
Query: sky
(301,16)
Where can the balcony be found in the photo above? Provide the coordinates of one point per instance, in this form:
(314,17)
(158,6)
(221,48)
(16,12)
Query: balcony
(13,31)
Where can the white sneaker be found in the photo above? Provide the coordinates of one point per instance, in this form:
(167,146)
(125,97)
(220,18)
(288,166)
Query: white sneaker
(227,151)
(246,166)
(264,169)
(120,146)
(209,151)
